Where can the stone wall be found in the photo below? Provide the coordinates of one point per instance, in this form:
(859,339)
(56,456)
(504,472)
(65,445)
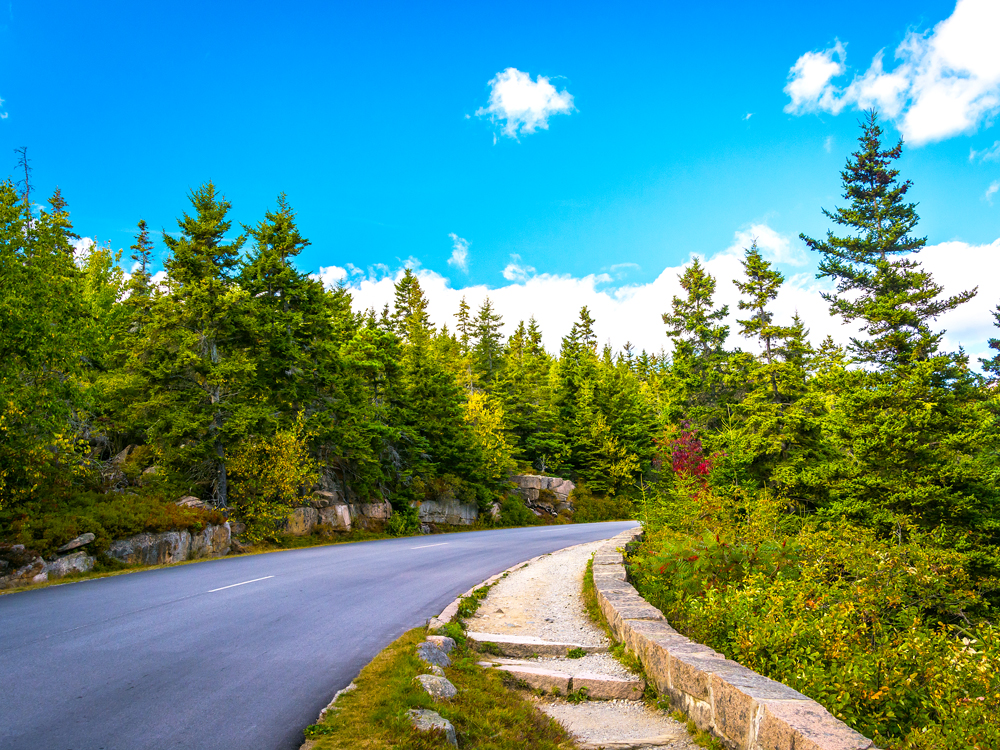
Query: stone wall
(744,710)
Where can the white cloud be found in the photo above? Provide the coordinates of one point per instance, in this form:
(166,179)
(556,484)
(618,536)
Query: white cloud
(828,144)
(991,191)
(459,252)
(809,81)
(947,81)
(987,154)
(331,276)
(523,105)
(517,272)
(3,114)
(748,115)
(632,312)
(81,250)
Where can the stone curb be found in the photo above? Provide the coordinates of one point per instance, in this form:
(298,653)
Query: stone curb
(599,686)
(745,710)
(526,646)
(449,612)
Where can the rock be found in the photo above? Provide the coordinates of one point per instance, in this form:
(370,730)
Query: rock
(152,549)
(435,669)
(432,653)
(323,499)
(447,510)
(302,520)
(425,529)
(212,541)
(236,528)
(438,687)
(443,642)
(431,721)
(337,515)
(24,565)
(189,501)
(495,511)
(78,542)
(78,562)
(370,516)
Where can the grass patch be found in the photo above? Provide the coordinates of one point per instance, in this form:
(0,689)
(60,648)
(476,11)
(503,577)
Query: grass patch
(487,713)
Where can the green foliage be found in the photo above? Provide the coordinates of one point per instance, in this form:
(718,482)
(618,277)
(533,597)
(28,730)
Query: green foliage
(589,507)
(44,525)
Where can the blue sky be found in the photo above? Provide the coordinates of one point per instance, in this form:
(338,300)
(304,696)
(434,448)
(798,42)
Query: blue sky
(374,119)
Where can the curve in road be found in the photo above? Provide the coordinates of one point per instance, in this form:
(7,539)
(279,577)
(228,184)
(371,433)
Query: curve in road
(239,652)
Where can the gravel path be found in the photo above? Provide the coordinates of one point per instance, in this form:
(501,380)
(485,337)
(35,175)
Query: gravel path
(620,724)
(542,600)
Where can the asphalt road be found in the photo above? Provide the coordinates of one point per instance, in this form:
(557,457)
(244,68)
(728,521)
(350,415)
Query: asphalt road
(239,652)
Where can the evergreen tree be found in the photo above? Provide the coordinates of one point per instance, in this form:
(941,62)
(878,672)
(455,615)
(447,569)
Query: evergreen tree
(487,354)
(194,357)
(893,297)
(696,381)
(992,365)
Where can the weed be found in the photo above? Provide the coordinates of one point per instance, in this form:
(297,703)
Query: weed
(581,695)
(576,653)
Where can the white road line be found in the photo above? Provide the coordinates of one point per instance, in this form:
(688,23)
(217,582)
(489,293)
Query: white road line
(425,546)
(244,583)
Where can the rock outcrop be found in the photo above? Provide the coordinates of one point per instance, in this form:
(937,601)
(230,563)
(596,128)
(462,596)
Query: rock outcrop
(447,510)
(328,508)
(20,566)
(544,494)
(172,546)
(77,562)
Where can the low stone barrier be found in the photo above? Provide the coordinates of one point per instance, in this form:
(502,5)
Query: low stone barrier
(172,546)
(743,709)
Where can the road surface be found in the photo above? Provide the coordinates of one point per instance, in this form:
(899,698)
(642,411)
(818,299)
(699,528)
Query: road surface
(237,653)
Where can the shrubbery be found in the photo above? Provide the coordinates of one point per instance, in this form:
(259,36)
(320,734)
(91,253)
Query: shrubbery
(891,634)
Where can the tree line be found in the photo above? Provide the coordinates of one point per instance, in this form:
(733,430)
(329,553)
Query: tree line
(243,380)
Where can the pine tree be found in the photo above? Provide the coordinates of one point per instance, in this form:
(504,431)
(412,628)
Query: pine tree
(696,382)
(889,293)
(487,353)
(992,365)
(761,287)
(194,356)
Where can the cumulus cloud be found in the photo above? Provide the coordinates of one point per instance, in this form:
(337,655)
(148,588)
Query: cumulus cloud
(521,105)
(515,271)
(632,312)
(946,82)
(459,252)
(991,191)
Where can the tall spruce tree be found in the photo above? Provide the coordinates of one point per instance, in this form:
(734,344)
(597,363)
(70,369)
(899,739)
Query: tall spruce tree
(889,293)
(195,357)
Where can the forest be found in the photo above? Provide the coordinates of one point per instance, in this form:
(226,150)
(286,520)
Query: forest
(827,515)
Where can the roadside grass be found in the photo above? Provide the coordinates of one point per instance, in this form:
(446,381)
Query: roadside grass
(488,713)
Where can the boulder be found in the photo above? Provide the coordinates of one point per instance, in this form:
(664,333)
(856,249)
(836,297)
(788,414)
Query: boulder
(78,562)
(189,501)
(447,511)
(432,653)
(443,642)
(431,721)
(337,515)
(439,688)
(78,542)
(302,520)
(20,566)
(212,541)
(370,515)
(152,549)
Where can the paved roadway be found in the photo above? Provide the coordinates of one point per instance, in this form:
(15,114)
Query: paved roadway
(208,657)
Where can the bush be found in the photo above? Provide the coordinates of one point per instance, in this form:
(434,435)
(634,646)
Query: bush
(513,512)
(588,507)
(888,634)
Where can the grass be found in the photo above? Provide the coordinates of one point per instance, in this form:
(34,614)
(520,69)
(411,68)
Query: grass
(488,713)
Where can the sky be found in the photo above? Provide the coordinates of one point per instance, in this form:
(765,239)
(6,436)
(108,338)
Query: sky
(546,155)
